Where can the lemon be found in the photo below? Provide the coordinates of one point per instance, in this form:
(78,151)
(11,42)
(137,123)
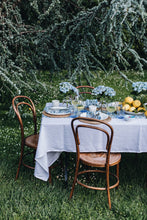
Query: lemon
(136,103)
(129,100)
(123,103)
(141,109)
(126,107)
(145,114)
(131,109)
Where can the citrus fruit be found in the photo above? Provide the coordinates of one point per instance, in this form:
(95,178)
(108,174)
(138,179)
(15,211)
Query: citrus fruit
(131,109)
(129,100)
(141,109)
(136,103)
(126,107)
(123,103)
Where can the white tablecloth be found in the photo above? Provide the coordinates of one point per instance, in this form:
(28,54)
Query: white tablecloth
(56,136)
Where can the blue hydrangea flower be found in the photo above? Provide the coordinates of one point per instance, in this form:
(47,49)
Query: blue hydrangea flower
(100,90)
(66,87)
(139,86)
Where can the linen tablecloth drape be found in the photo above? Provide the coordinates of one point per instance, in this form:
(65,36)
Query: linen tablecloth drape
(56,136)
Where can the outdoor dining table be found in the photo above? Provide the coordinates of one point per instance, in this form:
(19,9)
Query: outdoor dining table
(56,137)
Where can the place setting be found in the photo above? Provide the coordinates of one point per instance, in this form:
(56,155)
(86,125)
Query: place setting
(92,112)
(57,110)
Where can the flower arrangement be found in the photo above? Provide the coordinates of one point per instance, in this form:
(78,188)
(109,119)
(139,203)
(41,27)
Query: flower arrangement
(66,87)
(139,86)
(103,91)
(140,91)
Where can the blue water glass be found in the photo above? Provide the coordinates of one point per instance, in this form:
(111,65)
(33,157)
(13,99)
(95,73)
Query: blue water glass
(71,109)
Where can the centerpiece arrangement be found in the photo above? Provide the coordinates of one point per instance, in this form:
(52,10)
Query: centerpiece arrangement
(103,91)
(140,87)
(66,87)
(137,104)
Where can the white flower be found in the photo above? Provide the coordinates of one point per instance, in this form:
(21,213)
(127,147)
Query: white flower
(107,91)
(66,87)
(139,86)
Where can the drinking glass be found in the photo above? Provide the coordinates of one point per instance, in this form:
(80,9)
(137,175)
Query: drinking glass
(92,110)
(118,108)
(75,103)
(103,105)
(111,108)
(67,102)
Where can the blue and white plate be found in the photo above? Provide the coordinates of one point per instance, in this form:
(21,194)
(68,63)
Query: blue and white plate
(58,110)
(100,116)
(133,113)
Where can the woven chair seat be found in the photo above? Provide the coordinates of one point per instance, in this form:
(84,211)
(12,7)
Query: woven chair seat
(99,159)
(32,141)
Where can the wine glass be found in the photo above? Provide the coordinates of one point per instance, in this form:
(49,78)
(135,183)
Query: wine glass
(75,103)
(111,107)
(103,106)
(92,110)
(67,101)
(118,108)
(78,106)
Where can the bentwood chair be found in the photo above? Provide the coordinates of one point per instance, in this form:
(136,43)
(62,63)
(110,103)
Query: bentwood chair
(101,160)
(85,89)
(30,141)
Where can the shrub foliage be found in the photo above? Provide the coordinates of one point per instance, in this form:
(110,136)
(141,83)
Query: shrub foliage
(78,36)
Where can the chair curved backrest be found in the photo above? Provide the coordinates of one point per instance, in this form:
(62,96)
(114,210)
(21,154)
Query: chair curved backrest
(30,141)
(94,124)
(84,89)
(24,100)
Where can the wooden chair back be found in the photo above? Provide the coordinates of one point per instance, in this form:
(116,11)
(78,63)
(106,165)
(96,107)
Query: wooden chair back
(24,100)
(94,124)
(84,89)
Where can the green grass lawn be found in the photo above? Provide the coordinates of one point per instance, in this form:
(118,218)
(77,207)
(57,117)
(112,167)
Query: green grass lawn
(30,198)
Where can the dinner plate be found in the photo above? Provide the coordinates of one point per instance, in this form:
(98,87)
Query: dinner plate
(58,111)
(133,113)
(59,108)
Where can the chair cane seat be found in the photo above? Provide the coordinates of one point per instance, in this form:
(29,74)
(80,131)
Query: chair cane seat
(32,141)
(99,159)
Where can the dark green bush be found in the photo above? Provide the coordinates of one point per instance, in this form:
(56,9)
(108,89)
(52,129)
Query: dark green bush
(77,36)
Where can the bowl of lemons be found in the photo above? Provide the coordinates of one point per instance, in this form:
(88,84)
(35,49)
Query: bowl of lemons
(133,107)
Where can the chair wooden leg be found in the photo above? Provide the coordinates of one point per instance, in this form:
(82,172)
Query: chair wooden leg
(20,162)
(108,189)
(50,177)
(34,153)
(117,173)
(18,169)
(75,179)
(117,170)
